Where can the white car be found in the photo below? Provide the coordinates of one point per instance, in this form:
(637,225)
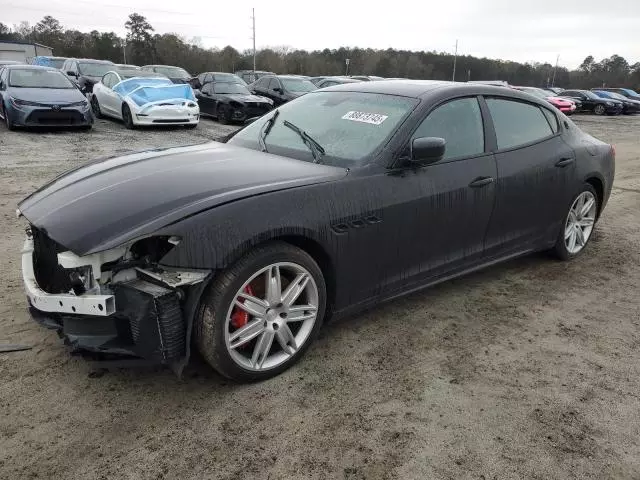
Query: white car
(141,98)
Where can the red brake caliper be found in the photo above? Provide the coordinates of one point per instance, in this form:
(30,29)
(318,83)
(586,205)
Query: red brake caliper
(239,317)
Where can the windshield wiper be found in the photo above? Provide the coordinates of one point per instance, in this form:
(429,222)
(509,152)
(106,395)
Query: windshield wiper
(316,149)
(264,131)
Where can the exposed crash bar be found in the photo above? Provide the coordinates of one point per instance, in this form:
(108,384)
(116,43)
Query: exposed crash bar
(98,305)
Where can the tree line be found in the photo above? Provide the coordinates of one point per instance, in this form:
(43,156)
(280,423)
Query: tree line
(143,46)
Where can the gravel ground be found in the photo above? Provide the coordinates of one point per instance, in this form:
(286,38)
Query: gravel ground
(527,370)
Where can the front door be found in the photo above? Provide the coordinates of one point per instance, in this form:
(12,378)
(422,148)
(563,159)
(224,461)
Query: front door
(206,99)
(438,214)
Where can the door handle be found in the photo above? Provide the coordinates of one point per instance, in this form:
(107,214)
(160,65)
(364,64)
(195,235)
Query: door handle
(481,182)
(564,162)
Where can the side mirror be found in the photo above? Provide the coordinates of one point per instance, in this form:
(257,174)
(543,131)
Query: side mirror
(1,85)
(71,74)
(277,90)
(427,150)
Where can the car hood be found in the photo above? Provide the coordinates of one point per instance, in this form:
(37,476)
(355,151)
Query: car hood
(47,95)
(111,201)
(241,97)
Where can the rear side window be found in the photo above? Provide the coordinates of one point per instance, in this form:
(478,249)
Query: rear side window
(552,119)
(517,123)
(459,122)
(274,83)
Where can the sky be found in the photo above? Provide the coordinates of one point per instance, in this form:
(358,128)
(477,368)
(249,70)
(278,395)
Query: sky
(519,30)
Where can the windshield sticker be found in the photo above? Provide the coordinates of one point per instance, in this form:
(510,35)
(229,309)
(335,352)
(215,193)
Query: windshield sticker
(371,118)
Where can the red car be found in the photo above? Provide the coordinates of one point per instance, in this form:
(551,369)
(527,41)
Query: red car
(565,105)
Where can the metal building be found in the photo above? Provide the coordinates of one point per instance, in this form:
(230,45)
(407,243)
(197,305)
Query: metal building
(22,51)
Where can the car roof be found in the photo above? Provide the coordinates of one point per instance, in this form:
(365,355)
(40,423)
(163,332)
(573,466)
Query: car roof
(136,73)
(91,60)
(29,67)
(162,65)
(421,88)
(293,77)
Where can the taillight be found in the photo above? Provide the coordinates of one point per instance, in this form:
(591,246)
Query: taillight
(613,150)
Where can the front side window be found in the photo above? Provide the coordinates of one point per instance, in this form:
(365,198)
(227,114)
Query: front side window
(36,78)
(517,123)
(459,122)
(274,83)
(350,126)
(263,82)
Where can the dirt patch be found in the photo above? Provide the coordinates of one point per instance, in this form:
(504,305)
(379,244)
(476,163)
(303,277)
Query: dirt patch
(527,370)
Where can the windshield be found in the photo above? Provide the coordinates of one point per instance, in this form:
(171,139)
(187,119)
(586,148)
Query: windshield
(350,126)
(36,78)
(223,87)
(591,95)
(297,84)
(128,67)
(94,69)
(173,72)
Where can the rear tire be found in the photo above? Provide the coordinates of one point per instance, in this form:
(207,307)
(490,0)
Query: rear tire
(127,118)
(277,318)
(582,215)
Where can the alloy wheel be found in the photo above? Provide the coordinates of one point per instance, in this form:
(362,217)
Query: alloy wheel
(599,110)
(580,222)
(271,317)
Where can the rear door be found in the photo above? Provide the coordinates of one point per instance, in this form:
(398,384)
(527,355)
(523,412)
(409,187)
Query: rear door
(536,174)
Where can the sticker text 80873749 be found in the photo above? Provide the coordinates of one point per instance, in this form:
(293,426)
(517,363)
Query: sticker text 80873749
(371,118)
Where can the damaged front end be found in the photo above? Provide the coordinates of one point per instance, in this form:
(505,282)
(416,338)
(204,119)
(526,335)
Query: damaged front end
(120,301)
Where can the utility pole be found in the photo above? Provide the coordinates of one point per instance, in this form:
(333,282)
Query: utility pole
(469,75)
(124,51)
(553,81)
(346,61)
(253,18)
(455,58)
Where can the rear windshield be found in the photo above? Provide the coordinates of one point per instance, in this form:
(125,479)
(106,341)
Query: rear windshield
(36,78)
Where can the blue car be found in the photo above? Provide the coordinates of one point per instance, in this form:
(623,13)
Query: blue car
(54,62)
(33,96)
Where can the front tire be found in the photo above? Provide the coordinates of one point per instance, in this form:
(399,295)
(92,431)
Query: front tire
(261,314)
(579,223)
(599,110)
(7,119)
(223,115)
(127,118)
(95,106)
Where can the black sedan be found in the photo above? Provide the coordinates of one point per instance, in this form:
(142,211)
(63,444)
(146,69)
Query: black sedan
(203,78)
(332,203)
(228,102)
(281,88)
(629,106)
(591,102)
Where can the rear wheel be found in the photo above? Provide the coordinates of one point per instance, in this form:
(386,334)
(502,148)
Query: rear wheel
(127,118)
(260,315)
(579,223)
(599,110)
(95,106)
